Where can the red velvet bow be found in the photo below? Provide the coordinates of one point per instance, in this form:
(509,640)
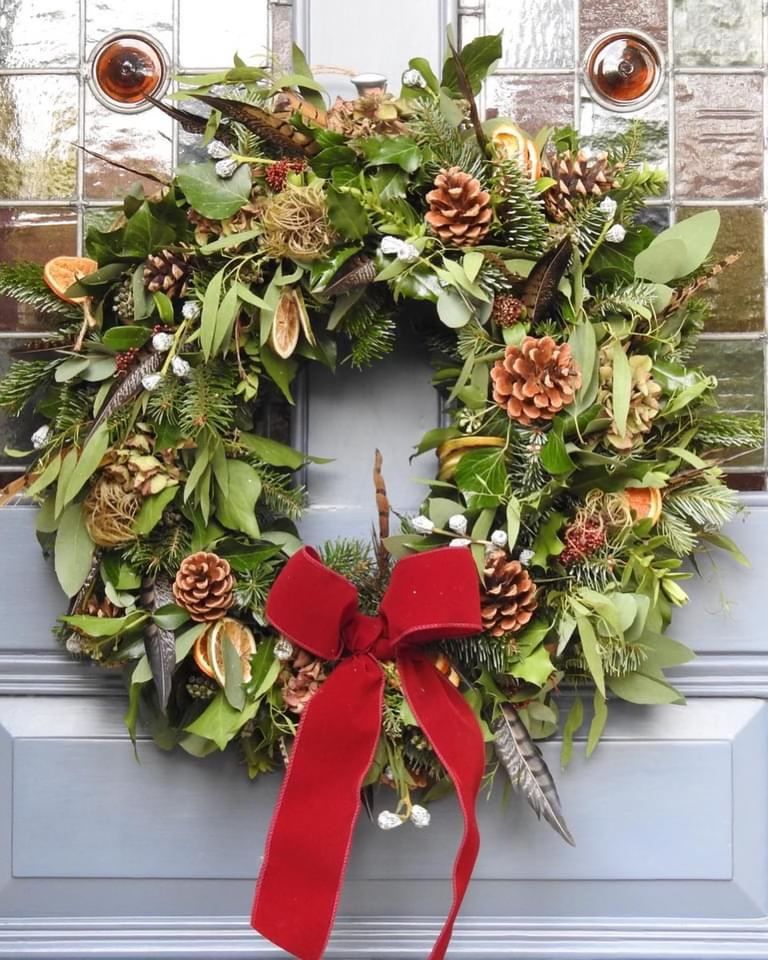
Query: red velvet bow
(431,596)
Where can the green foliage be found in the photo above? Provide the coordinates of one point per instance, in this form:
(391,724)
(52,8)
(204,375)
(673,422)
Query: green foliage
(24,283)
(708,504)
(719,430)
(163,549)
(253,585)
(206,403)
(442,139)
(519,210)
(371,329)
(22,381)
(279,493)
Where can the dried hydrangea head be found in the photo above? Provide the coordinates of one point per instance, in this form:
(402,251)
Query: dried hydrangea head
(536,380)
(644,400)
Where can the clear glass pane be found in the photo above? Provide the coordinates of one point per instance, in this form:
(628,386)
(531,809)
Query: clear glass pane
(537,33)
(35,234)
(719,142)
(38,127)
(718,33)
(598,16)
(600,123)
(141,141)
(14,431)
(37,33)
(533,101)
(155,17)
(736,294)
(241,27)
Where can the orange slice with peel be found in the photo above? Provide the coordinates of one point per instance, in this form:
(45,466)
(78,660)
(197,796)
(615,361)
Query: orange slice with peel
(645,502)
(61,272)
(241,639)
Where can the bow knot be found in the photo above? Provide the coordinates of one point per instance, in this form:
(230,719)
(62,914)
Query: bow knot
(364,634)
(431,596)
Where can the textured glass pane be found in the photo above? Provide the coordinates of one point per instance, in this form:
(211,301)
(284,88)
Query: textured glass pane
(152,16)
(746,481)
(655,217)
(533,101)
(37,33)
(537,33)
(736,294)
(241,27)
(101,218)
(14,431)
(719,123)
(601,124)
(718,33)
(138,140)
(598,16)
(37,235)
(739,366)
(38,125)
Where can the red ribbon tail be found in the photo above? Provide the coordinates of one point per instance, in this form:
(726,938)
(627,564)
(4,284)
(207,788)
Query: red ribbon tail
(300,881)
(452,728)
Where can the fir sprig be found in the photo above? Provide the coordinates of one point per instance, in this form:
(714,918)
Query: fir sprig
(24,283)
(22,381)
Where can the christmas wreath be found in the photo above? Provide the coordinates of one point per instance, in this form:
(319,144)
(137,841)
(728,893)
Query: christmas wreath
(581,465)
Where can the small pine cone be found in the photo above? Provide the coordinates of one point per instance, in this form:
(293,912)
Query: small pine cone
(509,596)
(204,586)
(459,209)
(122,302)
(577,177)
(101,608)
(202,688)
(166,272)
(536,380)
(507,310)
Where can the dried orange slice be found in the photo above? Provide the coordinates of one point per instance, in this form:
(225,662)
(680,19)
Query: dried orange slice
(512,143)
(61,272)
(241,639)
(645,502)
(200,653)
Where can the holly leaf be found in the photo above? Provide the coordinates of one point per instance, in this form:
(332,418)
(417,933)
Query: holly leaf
(347,214)
(402,151)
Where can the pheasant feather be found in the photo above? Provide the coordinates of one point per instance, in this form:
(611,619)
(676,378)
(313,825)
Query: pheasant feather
(527,771)
(273,129)
(159,643)
(127,389)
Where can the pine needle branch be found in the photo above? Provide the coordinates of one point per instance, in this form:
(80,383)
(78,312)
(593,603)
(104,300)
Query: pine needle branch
(24,283)
(21,382)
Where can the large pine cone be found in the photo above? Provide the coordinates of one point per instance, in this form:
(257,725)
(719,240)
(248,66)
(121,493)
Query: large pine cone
(204,586)
(459,209)
(577,177)
(166,272)
(535,380)
(509,597)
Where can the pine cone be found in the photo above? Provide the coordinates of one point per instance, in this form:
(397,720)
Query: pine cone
(577,177)
(509,598)
(644,402)
(166,272)
(204,586)
(459,209)
(536,380)
(301,680)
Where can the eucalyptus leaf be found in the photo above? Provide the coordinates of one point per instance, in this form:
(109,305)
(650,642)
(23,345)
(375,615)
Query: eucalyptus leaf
(680,249)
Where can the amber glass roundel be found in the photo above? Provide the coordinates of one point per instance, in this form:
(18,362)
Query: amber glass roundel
(127,67)
(624,69)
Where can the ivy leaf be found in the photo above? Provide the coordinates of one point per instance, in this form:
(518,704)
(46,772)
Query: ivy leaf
(220,721)
(402,151)
(145,233)
(547,543)
(236,509)
(347,214)
(554,457)
(482,478)
(211,195)
(73,550)
(331,158)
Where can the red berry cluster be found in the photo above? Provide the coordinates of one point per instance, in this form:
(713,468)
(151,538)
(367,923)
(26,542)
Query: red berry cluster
(161,328)
(277,173)
(125,360)
(581,541)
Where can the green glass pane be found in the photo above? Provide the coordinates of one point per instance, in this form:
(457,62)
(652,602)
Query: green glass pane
(739,366)
(736,294)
